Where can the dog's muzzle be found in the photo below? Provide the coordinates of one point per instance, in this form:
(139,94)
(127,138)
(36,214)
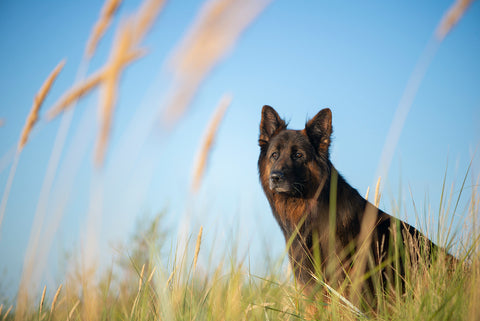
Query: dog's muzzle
(278,183)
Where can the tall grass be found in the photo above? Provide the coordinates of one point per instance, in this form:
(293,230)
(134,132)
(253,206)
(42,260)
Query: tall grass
(152,280)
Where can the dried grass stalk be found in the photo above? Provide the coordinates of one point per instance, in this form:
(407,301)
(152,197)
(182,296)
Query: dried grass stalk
(7,313)
(215,31)
(140,283)
(170,278)
(140,280)
(90,305)
(124,51)
(109,9)
(37,103)
(77,92)
(201,161)
(197,247)
(377,192)
(123,47)
(109,94)
(145,17)
(151,274)
(451,17)
(74,94)
(70,314)
(368,192)
(41,303)
(55,298)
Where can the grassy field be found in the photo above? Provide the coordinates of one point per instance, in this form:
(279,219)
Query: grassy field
(153,280)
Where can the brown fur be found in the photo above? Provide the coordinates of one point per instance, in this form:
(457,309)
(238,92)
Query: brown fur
(296,175)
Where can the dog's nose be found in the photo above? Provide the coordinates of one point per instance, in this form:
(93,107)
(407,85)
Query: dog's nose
(276,176)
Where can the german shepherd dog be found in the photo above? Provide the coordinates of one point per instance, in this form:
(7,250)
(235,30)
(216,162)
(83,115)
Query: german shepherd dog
(326,222)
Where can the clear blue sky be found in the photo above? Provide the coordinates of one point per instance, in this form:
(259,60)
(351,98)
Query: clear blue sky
(298,57)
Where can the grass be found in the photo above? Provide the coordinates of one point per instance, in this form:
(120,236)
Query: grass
(150,282)
(146,283)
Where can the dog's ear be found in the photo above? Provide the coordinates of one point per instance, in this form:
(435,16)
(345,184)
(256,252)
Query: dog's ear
(319,130)
(270,125)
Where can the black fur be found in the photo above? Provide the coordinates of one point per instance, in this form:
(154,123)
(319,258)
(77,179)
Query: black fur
(297,176)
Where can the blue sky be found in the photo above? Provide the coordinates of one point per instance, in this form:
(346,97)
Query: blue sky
(298,57)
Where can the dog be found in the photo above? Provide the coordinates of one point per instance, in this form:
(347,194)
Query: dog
(333,234)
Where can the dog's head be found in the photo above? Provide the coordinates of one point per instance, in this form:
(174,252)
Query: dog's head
(293,162)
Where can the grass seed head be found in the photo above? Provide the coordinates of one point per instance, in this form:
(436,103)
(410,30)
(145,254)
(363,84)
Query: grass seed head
(109,9)
(206,147)
(75,94)
(146,15)
(213,34)
(41,303)
(55,298)
(377,197)
(197,247)
(37,103)
(451,17)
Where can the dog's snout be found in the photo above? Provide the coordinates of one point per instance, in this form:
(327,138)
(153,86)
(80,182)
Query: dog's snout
(276,176)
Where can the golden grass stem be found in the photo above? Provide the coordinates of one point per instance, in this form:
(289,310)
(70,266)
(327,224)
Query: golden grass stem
(170,278)
(377,192)
(109,9)
(77,92)
(74,94)
(7,313)
(366,194)
(41,303)
(197,247)
(145,17)
(151,274)
(446,24)
(70,314)
(123,46)
(140,283)
(37,103)
(109,94)
(140,280)
(124,51)
(90,304)
(55,298)
(208,140)
(451,17)
(212,35)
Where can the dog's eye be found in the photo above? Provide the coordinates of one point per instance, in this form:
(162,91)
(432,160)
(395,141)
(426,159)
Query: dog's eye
(274,155)
(298,155)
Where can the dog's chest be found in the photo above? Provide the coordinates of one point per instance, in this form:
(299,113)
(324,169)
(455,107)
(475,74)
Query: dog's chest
(290,211)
